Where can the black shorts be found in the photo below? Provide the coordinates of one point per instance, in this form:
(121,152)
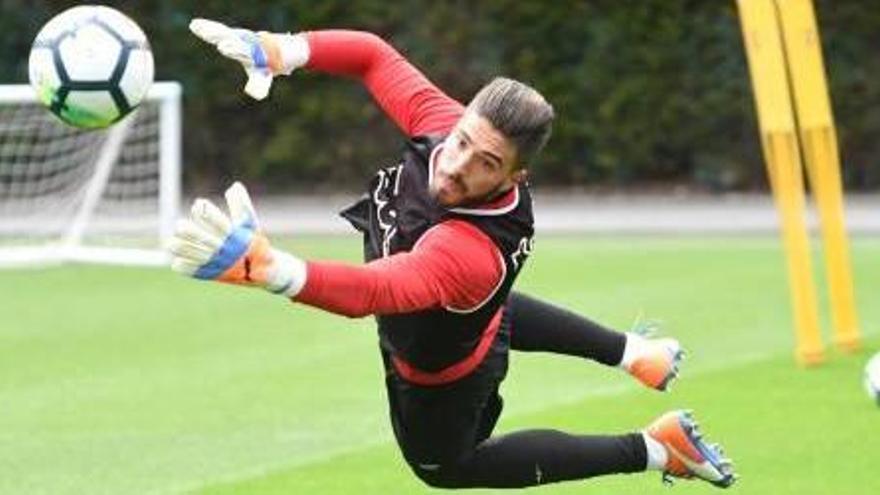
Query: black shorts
(441,425)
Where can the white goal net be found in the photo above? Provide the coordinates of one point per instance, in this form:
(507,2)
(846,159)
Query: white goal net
(108,196)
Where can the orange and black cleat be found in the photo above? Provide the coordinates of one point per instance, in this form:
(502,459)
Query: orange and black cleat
(657,363)
(688,455)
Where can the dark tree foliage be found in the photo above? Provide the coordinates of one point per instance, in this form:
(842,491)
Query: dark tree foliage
(648,91)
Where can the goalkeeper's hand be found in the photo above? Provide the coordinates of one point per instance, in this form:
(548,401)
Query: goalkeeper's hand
(211,245)
(263,55)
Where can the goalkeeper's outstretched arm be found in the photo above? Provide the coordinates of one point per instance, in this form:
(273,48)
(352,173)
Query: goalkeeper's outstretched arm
(454,265)
(415,104)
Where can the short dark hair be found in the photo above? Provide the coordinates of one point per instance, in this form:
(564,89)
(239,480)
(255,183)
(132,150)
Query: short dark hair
(519,112)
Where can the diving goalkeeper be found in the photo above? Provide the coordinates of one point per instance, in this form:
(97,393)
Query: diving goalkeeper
(446,231)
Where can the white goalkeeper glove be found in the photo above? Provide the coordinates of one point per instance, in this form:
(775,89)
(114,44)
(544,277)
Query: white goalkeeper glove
(263,55)
(213,246)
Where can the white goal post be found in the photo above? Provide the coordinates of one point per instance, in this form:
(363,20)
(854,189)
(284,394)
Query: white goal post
(72,195)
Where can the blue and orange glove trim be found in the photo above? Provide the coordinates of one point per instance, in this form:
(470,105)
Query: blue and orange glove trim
(211,245)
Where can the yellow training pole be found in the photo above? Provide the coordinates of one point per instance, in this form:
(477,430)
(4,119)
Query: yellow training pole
(819,142)
(763,43)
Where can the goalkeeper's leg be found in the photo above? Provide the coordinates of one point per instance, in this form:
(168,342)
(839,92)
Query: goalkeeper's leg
(538,457)
(540,326)
(444,433)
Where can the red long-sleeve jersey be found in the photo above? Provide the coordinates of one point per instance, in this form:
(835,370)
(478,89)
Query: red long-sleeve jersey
(454,264)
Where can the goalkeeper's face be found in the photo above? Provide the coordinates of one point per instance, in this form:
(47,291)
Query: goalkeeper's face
(476,164)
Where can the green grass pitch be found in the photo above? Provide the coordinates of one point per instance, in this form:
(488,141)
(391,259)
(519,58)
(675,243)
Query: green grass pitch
(127,381)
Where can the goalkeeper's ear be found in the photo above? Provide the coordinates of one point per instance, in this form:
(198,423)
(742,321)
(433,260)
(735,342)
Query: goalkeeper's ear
(241,209)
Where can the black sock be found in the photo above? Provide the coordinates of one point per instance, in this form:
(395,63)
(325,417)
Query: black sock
(537,457)
(540,326)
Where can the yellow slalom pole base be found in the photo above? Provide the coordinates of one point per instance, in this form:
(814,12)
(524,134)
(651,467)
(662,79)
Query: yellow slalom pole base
(809,357)
(850,345)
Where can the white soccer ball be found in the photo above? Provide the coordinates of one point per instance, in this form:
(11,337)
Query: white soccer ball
(91,65)
(872,378)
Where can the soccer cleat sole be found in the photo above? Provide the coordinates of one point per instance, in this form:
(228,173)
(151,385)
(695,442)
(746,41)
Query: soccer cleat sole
(677,357)
(721,472)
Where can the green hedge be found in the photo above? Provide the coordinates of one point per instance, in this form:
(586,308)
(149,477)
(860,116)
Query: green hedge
(648,91)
